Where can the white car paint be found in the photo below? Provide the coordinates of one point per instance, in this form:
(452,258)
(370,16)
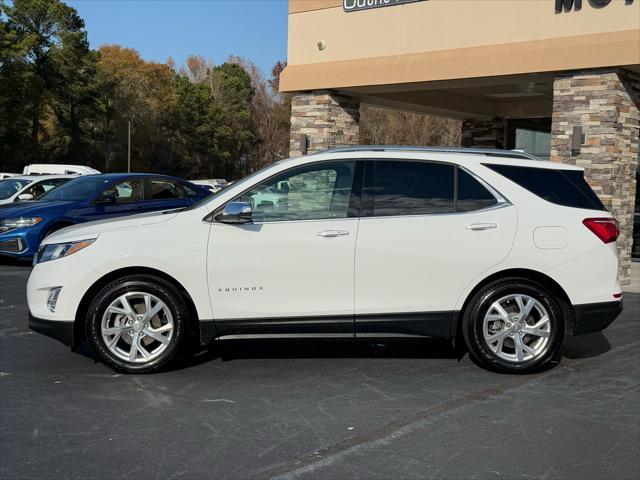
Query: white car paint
(55,169)
(214,184)
(381,265)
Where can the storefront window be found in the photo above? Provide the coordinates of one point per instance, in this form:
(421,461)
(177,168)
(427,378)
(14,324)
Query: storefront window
(533,141)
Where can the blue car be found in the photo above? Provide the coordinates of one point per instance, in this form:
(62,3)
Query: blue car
(23,225)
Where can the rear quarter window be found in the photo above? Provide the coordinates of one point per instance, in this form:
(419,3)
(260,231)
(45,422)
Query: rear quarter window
(562,187)
(472,195)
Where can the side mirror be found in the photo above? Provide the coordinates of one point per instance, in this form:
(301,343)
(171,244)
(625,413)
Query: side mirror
(235,212)
(107,200)
(25,196)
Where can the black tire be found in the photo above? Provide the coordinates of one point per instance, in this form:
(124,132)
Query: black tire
(478,306)
(136,283)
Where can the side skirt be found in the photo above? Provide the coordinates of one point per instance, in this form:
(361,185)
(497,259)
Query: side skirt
(418,324)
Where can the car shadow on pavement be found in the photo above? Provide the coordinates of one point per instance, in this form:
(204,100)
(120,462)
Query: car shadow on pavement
(228,350)
(15,262)
(347,348)
(585,346)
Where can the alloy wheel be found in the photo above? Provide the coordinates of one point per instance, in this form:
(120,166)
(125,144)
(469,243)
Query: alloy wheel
(517,328)
(137,327)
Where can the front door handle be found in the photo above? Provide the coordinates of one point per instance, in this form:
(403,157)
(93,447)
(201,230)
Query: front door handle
(481,226)
(333,233)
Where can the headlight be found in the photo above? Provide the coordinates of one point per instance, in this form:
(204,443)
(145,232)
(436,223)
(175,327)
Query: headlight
(11,223)
(54,251)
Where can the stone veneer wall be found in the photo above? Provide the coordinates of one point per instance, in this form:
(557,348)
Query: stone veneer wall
(327,119)
(484,133)
(605,104)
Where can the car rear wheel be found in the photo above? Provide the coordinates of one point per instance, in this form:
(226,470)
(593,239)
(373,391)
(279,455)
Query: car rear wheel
(514,325)
(136,324)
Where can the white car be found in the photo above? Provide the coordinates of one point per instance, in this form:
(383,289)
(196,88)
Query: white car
(29,187)
(213,184)
(505,251)
(56,168)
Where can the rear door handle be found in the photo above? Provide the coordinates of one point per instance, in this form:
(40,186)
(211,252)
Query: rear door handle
(333,233)
(481,226)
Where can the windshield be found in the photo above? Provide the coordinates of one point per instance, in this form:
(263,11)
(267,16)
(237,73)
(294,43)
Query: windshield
(9,187)
(84,188)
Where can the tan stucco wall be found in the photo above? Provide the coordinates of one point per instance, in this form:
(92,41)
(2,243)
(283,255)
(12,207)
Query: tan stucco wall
(441,26)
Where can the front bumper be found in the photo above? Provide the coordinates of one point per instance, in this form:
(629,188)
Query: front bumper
(60,330)
(12,246)
(594,317)
(19,242)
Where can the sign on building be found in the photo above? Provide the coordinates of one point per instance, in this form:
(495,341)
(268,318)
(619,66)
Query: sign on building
(356,5)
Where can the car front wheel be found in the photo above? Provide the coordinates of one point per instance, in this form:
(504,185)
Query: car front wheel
(514,325)
(136,324)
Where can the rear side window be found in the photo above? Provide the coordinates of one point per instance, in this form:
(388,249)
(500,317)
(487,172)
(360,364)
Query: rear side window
(190,191)
(165,190)
(124,192)
(562,187)
(412,188)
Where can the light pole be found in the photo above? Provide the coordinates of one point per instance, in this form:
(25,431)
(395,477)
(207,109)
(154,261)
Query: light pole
(129,147)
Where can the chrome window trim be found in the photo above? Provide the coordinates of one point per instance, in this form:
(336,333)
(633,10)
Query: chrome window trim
(498,196)
(313,220)
(487,209)
(502,200)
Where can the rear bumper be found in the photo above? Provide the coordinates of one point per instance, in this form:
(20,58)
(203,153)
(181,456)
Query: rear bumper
(61,331)
(594,317)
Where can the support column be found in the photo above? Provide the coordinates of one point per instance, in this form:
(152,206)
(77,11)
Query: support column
(604,104)
(326,118)
(484,133)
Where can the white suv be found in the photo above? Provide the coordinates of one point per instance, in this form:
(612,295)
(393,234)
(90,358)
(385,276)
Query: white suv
(509,252)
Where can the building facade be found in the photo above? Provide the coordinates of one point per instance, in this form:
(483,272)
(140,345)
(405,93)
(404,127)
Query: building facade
(557,78)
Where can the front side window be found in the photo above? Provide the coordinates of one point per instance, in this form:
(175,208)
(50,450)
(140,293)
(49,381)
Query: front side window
(123,192)
(310,193)
(412,188)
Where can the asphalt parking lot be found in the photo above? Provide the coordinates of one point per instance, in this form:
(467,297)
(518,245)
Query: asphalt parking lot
(325,410)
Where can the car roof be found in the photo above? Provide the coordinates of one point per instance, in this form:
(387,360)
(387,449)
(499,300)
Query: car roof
(113,176)
(41,177)
(496,152)
(459,155)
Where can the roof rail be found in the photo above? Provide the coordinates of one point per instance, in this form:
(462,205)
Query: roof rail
(400,148)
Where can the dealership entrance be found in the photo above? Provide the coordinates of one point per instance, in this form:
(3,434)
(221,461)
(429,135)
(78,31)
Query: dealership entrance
(556,78)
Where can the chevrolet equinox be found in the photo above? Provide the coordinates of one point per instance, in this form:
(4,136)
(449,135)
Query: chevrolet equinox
(499,248)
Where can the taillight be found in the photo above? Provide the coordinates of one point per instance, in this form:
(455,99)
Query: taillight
(606,229)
